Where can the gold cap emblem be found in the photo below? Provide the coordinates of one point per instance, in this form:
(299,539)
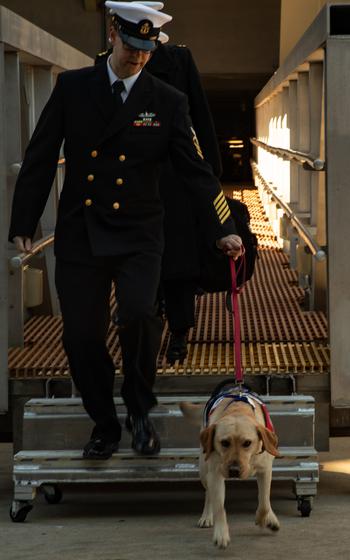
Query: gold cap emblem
(145,28)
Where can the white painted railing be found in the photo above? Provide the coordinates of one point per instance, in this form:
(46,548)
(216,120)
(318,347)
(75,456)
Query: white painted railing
(30,59)
(302,168)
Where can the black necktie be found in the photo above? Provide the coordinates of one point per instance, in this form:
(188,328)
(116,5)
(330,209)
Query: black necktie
(117,88)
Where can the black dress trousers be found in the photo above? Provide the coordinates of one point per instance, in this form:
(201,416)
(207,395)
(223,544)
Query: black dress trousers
(84,291)
(179,297)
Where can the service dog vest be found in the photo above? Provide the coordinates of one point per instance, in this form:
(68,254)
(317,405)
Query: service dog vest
(233,394)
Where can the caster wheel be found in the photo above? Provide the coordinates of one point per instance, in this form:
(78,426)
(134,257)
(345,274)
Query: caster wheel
(19,511)
(53,494)
(305,506)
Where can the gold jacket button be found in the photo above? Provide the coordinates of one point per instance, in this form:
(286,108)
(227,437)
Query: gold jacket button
(116,205)
(119,181)
(94,153)
(122,157)
(90,178)
(88,202)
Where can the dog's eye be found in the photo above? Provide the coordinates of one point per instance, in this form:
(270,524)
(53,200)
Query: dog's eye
(247,443)
(225,443)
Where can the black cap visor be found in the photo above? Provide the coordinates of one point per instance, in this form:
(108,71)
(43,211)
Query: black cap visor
(136,43)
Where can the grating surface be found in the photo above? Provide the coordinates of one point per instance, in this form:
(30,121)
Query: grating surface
(277,336)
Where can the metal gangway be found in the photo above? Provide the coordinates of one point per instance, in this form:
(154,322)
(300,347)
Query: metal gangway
(301,168)
(298,205)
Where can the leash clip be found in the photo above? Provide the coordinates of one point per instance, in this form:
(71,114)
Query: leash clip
(240,388)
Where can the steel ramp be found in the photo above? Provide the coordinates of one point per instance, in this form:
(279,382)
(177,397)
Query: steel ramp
(55,430)
(278,336)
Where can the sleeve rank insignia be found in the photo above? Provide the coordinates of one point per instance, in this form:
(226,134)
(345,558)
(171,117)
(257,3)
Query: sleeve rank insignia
(196,143)
(222,208)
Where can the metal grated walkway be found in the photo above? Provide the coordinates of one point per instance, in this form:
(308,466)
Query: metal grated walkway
(277,335)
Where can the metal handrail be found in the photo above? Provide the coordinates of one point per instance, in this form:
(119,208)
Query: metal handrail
(300,157)
(314,248)
(22,258)
(16,167)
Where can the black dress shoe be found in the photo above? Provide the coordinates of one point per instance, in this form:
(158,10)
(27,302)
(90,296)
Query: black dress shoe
(100,448)
(145,439)
(177,347)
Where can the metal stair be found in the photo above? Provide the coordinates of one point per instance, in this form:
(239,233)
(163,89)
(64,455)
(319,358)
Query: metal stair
(54,431)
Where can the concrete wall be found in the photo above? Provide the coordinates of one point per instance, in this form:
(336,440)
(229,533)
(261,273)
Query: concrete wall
(296,16)
(225,36)
(228,36)
(65,19)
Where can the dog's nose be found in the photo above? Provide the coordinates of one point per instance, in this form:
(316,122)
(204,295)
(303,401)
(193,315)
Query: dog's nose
(234,470)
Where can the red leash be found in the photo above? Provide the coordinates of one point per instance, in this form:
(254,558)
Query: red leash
(236,317)
(237,333)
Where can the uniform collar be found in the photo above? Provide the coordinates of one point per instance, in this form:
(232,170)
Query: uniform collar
(128,82)
(101,93)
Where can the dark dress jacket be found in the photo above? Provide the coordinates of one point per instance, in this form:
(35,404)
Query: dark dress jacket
(110,202)
(174,65)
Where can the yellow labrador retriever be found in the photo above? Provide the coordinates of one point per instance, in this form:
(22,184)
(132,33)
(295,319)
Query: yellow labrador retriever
(234,436)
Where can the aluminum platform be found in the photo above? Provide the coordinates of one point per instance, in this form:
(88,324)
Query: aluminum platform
(56,429)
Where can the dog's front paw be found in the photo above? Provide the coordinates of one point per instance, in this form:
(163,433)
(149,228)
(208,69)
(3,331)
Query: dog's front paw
(221,537)
(206,521)
(267,519)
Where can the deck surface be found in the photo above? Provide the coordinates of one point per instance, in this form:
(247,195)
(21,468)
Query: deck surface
(277,335)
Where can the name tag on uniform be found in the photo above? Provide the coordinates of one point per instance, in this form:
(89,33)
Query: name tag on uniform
(146,119)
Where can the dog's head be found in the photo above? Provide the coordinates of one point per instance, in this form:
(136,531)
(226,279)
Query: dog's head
(237,440)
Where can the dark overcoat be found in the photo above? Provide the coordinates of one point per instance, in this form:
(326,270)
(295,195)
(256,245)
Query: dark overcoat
(174,65)
(110,202)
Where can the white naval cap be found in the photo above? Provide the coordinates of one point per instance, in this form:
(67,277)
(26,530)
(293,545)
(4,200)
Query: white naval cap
(163,37)
(154,5)
(139,24)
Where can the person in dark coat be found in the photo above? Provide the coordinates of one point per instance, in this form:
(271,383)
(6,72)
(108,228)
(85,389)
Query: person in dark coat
(118,125)
(174,65)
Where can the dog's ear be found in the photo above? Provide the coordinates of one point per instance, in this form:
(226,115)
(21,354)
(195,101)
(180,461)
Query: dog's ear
(269,439)
(207,440)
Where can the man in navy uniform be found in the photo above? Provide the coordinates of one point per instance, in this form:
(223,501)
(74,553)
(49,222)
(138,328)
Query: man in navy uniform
(118,124)
(180,275)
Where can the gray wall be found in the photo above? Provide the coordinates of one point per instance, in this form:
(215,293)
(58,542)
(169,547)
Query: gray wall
(228,36)
(66,19)
(225,36)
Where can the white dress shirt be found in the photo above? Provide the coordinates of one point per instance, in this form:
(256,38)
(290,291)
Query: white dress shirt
(128,82)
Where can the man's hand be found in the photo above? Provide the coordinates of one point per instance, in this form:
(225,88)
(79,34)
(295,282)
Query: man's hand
(231,245)
(23,244)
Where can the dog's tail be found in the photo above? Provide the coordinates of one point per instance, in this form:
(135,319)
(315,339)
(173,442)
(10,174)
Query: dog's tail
(193,413)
